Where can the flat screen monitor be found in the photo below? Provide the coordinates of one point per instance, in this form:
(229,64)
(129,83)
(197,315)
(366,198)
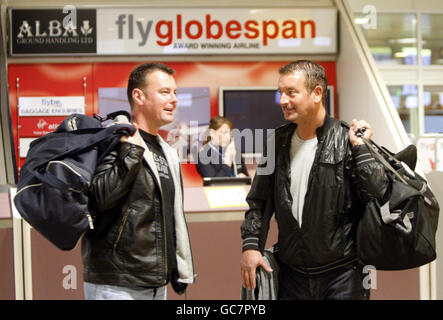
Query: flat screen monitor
(256,108)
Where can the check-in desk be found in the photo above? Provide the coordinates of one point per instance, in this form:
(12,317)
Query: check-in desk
(214,215)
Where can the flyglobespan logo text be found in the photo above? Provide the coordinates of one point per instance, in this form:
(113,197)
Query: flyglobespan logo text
(178,28)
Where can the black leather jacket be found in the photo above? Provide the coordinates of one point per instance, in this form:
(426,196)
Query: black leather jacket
(127,247)
(341,180)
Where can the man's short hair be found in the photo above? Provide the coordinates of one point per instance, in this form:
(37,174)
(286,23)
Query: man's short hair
(314,75)
(137,78)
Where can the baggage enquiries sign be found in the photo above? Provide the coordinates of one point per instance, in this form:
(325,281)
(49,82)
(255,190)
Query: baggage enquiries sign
(50,106)
(174,31)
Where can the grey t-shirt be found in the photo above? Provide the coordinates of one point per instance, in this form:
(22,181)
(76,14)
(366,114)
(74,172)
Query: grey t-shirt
(301,153)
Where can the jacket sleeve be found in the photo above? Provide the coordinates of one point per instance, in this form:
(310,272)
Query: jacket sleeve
(369,176)
(260,199)
(256,223)
(114,175)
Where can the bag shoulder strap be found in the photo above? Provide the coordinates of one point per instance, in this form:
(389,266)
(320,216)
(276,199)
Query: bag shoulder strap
(376,150)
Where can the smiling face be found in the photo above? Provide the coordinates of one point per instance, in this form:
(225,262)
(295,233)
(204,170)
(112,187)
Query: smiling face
(161,97)
(295,100)
(156,101)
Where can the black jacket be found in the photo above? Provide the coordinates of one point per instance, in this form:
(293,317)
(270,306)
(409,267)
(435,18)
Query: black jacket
(128,245)
(342,179)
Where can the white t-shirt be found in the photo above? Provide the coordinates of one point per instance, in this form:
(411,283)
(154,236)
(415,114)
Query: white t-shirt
(301,155)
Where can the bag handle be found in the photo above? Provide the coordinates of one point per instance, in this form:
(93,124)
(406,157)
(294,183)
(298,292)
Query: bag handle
(375,150)
(99,136)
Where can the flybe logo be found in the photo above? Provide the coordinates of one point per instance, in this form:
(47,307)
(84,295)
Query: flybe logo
(166,31)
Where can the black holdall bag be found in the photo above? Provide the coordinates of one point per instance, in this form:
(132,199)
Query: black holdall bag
(52,193)
(400,234)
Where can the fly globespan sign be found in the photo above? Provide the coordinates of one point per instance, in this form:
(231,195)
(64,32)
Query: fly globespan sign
(172,31)
(153,31)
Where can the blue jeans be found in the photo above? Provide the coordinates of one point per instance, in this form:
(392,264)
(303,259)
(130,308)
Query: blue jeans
(108,292)
(343,284)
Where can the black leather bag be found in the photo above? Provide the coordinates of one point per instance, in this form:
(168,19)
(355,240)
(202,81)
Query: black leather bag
(400,233)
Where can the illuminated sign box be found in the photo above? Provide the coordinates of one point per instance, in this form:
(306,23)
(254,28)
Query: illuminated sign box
(173,31)
(144,31)
(52,32)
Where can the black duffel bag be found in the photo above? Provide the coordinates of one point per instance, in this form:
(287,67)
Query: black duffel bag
(53,190)
(400,233)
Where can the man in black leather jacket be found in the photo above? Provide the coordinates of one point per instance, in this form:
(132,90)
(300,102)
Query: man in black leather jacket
(141,241)
(323,175)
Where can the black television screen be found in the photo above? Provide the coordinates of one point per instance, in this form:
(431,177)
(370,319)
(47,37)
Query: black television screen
(252,108)
(255,108)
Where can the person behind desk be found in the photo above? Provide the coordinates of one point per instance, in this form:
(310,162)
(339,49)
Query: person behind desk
(217,156)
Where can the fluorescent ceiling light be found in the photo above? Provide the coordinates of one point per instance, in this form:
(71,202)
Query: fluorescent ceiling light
(403,40)
(361,20)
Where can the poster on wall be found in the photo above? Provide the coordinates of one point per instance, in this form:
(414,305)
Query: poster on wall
(38,126)
(439,154)
(426,153)
(65,31)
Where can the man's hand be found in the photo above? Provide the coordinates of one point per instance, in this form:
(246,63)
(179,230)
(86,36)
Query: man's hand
(252,259)
(353,130)
(135,138)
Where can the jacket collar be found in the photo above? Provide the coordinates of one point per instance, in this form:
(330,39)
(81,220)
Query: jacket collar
(321,131)
(324,128)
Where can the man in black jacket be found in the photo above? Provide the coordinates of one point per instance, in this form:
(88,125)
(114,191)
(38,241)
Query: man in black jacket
(323,176)
(141,241)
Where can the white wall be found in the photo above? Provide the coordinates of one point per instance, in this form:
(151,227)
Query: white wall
(363,95)
(359,96)
(435,179)
(397,5)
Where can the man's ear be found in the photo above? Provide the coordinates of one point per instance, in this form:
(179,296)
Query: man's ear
(318,94)
(138,96)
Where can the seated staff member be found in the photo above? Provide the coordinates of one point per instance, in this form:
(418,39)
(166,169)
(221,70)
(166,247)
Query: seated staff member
(217,156)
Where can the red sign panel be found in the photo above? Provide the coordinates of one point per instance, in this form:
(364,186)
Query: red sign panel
(38,126)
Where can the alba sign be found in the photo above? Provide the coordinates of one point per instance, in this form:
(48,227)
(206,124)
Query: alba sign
(52,31)
(172,31)
(216,31)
